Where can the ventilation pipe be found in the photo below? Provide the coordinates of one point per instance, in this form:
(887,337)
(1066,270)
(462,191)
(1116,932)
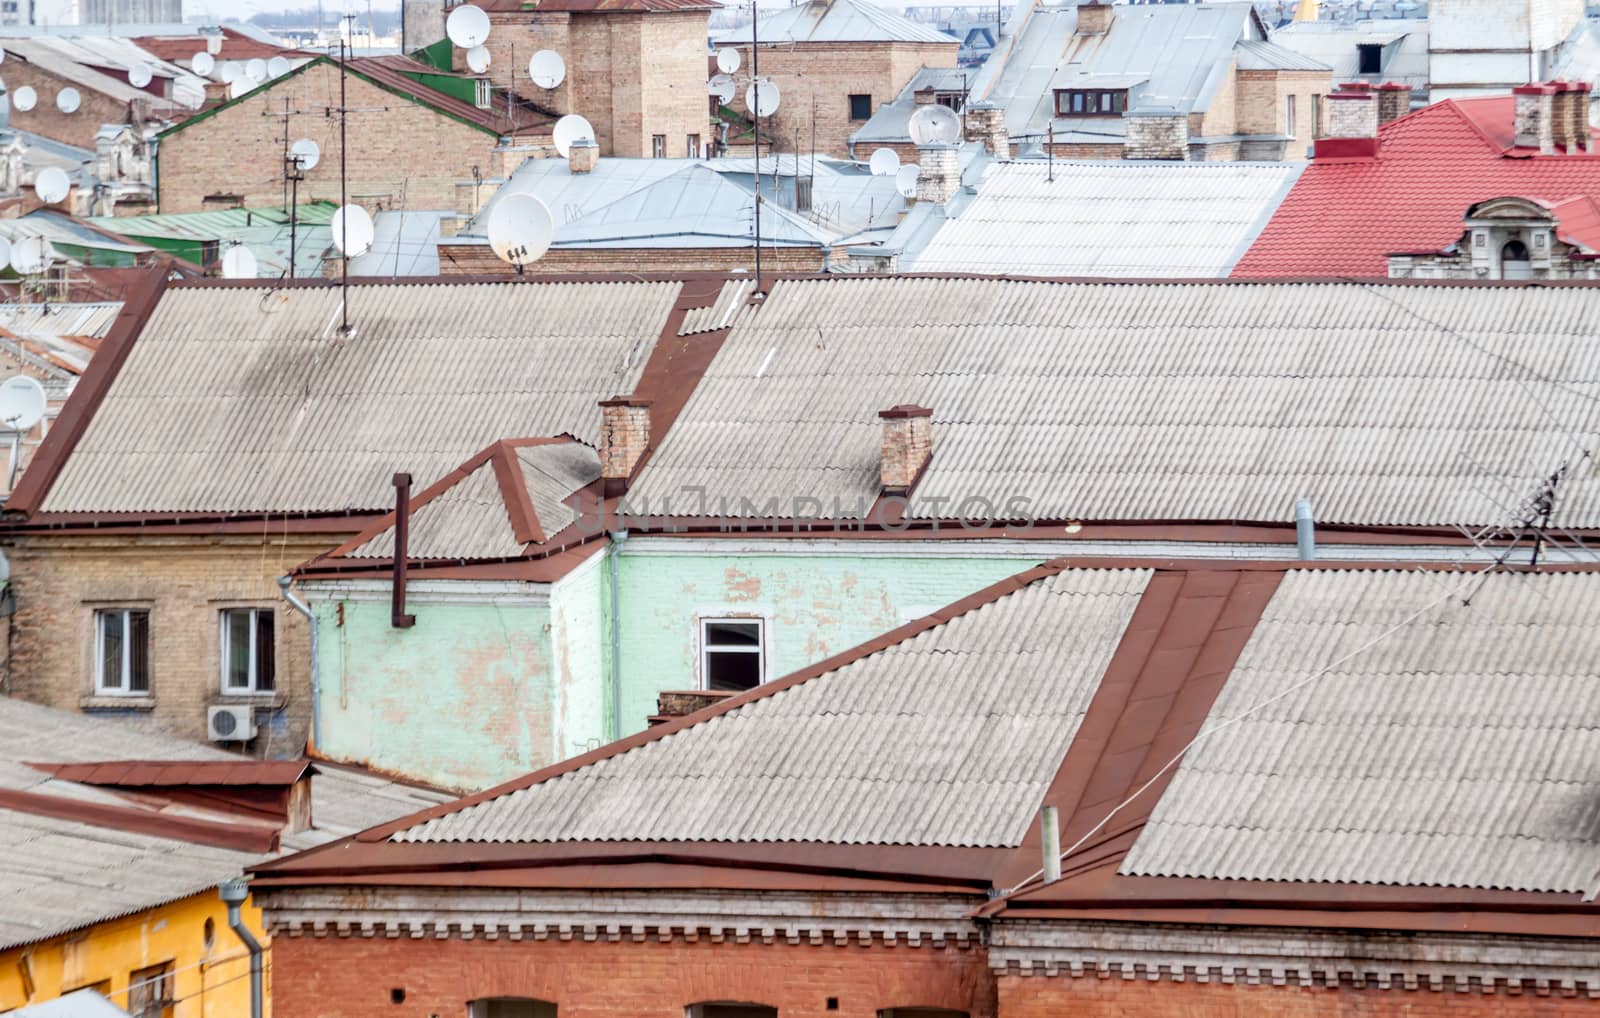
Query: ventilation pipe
(1305,529)
(233,894)
(402,553)
(1050,844)
(300,606)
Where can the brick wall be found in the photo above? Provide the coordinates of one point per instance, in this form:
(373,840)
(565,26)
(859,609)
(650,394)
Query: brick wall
(1150,137)
(478,260)
(184,582)
(828,74)
(354,977)
(1261,102)
(396,148)
(675,104)
(1221,117)
(45,119)
(1037,997)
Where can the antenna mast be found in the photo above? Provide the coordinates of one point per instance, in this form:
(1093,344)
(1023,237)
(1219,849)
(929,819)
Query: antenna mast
(755,123)
(344,262)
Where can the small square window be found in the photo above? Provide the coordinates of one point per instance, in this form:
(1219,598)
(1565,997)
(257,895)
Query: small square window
(1369,58)
(122,651)
(861,107)
(247,650)
(732,653)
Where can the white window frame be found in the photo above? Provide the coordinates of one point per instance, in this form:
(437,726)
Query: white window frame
(254,688)
(705,649)
(1288,114)
(126,676)
(485,96)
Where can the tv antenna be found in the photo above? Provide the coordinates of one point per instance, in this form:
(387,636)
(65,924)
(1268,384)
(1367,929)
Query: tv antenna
(352,226)
(303,155)
(22,407)
(761,98)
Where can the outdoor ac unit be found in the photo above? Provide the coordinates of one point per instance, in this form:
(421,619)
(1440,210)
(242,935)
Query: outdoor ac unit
(230,724)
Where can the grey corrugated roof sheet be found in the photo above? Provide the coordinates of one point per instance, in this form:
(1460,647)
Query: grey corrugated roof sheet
(247,400)
(733,296)
(1382,403)
(1179,220)
(824,21)
(1255,55)
(1335,43)
(948,738)
(60,875)
(1463,751)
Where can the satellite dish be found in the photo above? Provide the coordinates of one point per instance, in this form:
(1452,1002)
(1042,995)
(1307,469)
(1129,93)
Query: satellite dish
(546,69)
(5,252)
(202,63)
(239,263)
(277,67)
(352,230)
(728,60)
(239,86)
(769,98)
(139,75)
(256,69)
(22,403)
(30,255)
(306,152)
(52,184)
(905,180)
(467,26)
(885,162)
(25,98)
(231,71)
(723,88)
(934,124)
(478,59)
(520,229)
(568,130)
(68,100)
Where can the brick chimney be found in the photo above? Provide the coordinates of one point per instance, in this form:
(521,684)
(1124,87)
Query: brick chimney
(582,155)
(1578,137)
(1350,126)
(676,703)
(1155,133)
(907,444)
(1394,101)
(1094,19)
(624,436)
(939,176)
(986,122)
(1535,117)
(925,96)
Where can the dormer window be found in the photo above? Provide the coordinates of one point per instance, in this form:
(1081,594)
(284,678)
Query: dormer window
(1369,58)
(1091,102)
(951,99)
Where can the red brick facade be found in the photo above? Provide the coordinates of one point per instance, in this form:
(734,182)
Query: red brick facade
(354,977)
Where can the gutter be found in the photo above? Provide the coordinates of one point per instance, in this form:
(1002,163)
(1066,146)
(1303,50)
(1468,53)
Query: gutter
(618,537)
(299,605)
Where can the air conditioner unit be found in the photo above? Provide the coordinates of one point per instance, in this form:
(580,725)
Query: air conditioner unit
(230,724)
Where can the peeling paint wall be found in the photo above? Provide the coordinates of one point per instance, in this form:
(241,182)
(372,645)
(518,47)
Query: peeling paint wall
(581,644)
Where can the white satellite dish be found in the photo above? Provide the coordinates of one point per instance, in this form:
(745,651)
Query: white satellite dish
(256,69)
(306,152)
(22,403)
(25,98)
(520,229)
(478,59)
(905,180)
(202,63)
(568,130)
(352,230)
(68,100)
(885,162)
(231,72)
(139,75)
(239,263)
(934,124)
(769,98)
(239,86)
(467,26)
(5,252)
(277,67)
(728,60)
(52,184)
(546,68)
(30,255)
(722,87)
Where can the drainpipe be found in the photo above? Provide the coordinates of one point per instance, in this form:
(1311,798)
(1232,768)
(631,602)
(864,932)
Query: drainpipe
(233,893)
(1305,529)
(316,685)
(617,539)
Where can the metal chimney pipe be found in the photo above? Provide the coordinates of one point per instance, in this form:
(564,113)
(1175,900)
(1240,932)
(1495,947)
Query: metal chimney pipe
(1050,844)
(233,894)
(1305,529)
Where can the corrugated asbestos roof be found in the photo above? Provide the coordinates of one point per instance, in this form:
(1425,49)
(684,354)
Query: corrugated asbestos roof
(61,875)
(947,738)
(827,21)
(247,400)
(1179,220)
(1383,404)
(1463,751)
(730,300)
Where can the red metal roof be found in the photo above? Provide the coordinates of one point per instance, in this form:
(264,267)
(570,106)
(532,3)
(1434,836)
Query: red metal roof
(1344,216)
(597,6)
(235,46)
(391,72)
(169,773)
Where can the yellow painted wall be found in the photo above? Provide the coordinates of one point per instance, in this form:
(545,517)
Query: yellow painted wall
(212,983)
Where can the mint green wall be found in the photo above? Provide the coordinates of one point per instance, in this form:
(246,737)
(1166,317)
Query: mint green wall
(815,605)
(578,635)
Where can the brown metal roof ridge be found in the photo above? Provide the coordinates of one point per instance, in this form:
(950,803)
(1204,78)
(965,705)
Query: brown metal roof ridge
(237,837)
(90,390)
(642,876)
(80,523)
(144,773)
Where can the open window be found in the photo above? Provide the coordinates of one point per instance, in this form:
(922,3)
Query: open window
(150,993)
(732,653)
(730,1009)
(1369,58)
(511,1007)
